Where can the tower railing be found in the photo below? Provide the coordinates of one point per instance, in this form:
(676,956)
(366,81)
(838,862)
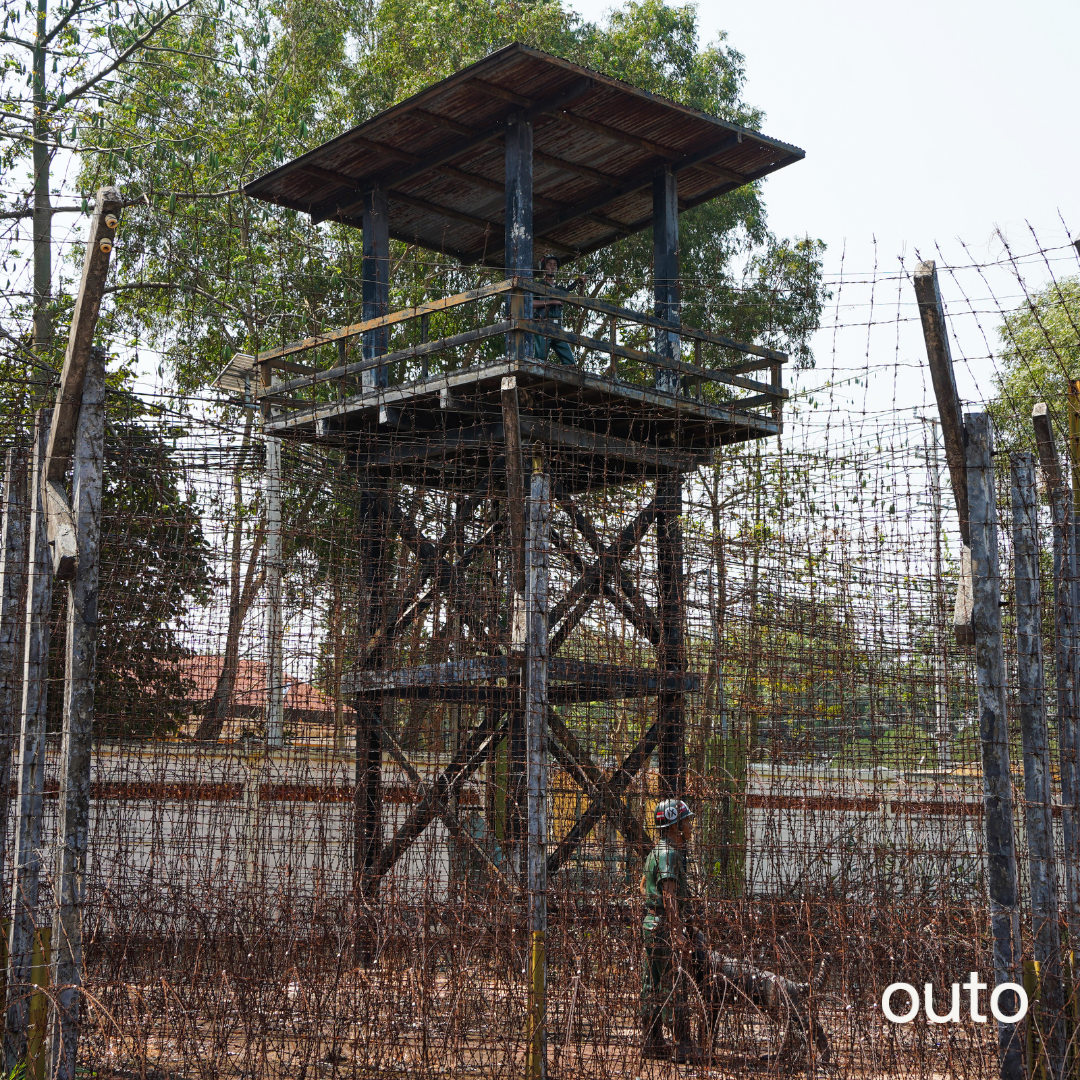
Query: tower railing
(306,384)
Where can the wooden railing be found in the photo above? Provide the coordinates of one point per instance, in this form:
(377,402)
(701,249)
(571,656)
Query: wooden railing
(694,375)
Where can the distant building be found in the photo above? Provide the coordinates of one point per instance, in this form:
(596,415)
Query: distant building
(309,713)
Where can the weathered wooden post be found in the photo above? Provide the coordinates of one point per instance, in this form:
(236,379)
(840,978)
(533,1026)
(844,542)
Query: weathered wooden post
(367,809)
(13,546)
(80,667)
(994,734)
(1065,649)
(1038,795)
(273,629)
(30,769)
(666,273)
(518,256)
(536,711)
(939,355)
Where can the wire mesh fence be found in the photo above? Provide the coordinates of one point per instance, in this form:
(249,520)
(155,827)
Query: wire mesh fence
(311,906)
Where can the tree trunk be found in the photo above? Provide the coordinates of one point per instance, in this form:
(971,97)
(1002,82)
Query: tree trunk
(42,220)
(220,705)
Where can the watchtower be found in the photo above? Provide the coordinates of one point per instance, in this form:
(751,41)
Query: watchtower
(519,155)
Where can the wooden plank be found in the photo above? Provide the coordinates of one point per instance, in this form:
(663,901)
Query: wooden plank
(73,826)
(411,352)
(1035,741)
(606,390)
(608,446)
(14,543)
(554,331)
(30,770)
(392,319)
(444,155)
(630,315)
(634,185)
(994,734)
(99,243)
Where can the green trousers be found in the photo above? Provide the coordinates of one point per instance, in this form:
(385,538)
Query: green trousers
(663,984)
(542,346)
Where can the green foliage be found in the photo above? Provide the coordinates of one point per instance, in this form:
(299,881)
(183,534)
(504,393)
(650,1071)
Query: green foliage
(1040,353)
(155,568)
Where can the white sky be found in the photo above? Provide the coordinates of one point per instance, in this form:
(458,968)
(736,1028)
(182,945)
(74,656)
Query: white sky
(922,123)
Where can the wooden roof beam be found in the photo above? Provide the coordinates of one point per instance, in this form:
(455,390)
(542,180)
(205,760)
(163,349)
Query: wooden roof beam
(448,153)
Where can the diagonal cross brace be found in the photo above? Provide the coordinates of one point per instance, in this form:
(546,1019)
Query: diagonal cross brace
(442,808)
(573,606)
(619,602)
(635,607)
(616,785)
(566,749)
(464,763)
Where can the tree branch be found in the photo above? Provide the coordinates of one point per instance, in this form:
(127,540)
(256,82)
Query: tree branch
(59,27)
(134,47)
(29,212)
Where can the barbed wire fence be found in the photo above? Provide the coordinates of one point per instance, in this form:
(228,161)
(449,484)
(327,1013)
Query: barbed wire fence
(833,748)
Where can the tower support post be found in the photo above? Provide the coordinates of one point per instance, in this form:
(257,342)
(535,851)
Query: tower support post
(518,256)
(375,283)
(671,705)
(666,272)
(367,807)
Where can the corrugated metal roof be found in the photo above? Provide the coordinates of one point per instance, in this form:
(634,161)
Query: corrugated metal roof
(597,143)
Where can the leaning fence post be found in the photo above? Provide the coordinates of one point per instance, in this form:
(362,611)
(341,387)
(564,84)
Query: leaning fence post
(31,762)
(994,734)
(1038,796)
(82,631)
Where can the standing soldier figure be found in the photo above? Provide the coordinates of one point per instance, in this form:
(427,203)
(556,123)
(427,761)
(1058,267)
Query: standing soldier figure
(667,939)
(550,309)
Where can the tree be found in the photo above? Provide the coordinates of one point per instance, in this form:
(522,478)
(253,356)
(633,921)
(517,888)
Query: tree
(87,42)
(1040,353)
(155,570)
(202,271)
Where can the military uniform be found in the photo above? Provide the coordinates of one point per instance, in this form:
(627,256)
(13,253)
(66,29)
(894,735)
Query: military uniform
(663,984)
(549,309)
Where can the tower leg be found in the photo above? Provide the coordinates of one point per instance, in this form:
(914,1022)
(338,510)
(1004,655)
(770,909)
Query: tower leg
(671,705)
